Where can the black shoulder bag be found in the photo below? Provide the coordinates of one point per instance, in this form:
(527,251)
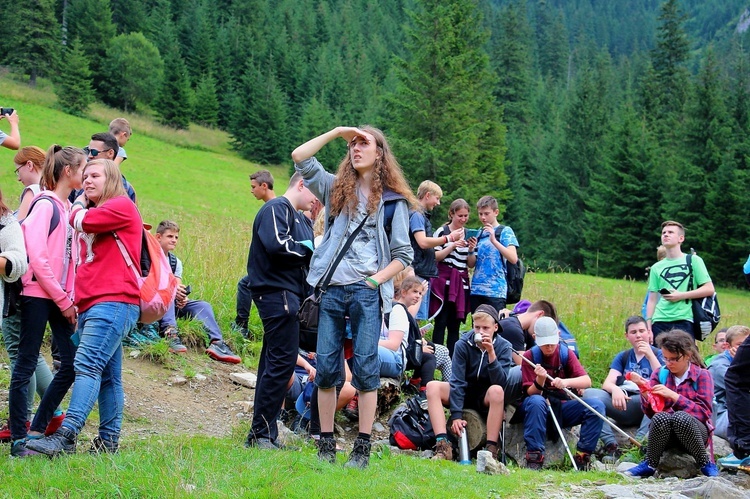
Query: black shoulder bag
(310,308)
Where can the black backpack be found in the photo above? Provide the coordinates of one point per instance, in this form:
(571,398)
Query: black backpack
(411,428)
(413,348)
(514,274)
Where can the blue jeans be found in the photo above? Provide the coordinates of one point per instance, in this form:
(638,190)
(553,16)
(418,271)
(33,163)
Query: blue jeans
(535,413)
(361,304)
(631,416)
(390,362)
(194,309)
(98,367)
(424,307)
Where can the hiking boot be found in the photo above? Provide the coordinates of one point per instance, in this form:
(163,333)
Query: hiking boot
(710,469)
(611,453)
(5,432)
(731,462)
(19,449)
(582,460)
(103,446)
(218,350)
(261,443)
(534,460)
(62,441)
(443,450)
(492,448)
(300,425)
(173,337)
(642,470)
(351,411)
(327,449)
(150,332)
(242,329)
(54,424)
(360,456)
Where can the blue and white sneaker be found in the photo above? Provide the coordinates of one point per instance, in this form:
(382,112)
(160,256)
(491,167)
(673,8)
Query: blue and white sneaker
(729,462)
(710,469)
(643,470)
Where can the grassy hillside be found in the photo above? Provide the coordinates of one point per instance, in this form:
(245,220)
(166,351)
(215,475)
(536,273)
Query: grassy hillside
(194,178)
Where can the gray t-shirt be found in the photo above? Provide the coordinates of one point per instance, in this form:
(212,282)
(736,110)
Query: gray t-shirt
(361,260)
(2,136)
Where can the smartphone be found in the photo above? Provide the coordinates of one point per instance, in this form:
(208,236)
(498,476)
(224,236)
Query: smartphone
(6,111)
(469,233)
(188,290)
(665,291)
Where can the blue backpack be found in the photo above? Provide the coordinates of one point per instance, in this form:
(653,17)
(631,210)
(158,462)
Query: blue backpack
(564,353)
(567,338)
(664,374)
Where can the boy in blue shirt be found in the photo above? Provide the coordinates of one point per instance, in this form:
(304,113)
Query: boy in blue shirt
(494,248)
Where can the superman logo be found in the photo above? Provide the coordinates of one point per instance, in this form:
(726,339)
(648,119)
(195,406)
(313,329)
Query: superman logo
(675,275)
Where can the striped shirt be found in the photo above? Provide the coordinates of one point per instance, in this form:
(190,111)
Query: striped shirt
(458,257)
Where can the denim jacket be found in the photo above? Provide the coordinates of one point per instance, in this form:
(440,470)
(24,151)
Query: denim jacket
(398,248)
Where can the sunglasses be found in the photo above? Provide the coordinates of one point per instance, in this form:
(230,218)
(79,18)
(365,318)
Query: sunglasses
(94,152)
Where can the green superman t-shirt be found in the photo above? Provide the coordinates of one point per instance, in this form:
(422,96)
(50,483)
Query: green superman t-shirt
(672,273)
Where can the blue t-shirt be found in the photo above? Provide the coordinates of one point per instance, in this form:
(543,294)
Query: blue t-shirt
(489,271)
(625,362)
(424,263)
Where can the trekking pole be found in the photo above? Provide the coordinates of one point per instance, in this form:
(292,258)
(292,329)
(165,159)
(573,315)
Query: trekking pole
(562,437)
(586,405)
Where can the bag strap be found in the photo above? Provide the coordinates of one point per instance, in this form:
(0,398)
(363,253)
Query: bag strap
(689,262)
(340,256)
(125,255)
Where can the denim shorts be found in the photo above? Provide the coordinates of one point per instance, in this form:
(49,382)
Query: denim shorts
(361,304)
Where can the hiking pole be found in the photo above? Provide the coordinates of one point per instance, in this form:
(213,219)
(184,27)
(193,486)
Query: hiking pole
(562,437)
(587,406)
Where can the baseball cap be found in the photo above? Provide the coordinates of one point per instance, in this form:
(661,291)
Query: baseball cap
(546,331)
(489,310)
(521,307)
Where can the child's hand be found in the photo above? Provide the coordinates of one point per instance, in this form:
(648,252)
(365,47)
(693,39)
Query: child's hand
(665,392)
(490,230)
(619,399)
(540,371)
(471,243)
(457,427)
(456,235)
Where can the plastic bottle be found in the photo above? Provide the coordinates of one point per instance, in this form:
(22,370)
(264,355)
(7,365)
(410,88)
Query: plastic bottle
(463,448)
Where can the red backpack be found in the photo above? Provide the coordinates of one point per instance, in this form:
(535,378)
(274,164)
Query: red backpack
(156,282)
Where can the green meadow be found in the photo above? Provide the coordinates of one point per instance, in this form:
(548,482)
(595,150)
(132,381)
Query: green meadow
(196,179)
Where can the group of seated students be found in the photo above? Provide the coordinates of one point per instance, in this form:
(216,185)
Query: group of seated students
(74,230)
(663,392)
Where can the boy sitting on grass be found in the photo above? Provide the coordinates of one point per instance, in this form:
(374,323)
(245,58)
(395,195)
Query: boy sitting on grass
(480,372)
(168,233)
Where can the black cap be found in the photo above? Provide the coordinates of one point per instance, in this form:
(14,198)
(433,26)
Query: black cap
(489,310)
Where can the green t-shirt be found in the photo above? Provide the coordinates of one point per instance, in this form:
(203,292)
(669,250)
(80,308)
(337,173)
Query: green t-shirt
(672,273)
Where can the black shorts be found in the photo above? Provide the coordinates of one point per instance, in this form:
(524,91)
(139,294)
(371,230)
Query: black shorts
(474,398)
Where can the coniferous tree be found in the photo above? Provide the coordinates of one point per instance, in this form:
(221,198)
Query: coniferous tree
(73,84)
(91,22)
(446,123)
(206,109)
(129,16)
(552,42)
(37,50)
(174,103)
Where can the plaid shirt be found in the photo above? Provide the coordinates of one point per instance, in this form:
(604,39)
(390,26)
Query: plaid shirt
(696,401)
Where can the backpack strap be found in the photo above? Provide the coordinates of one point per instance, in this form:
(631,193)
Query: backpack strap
(55,220)
(664,373)
(172,262)
(126,256)
(390,208)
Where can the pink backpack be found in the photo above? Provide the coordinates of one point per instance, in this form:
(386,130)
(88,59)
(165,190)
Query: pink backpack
(157,283)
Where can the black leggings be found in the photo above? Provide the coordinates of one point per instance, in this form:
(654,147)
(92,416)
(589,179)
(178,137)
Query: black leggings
(678,429)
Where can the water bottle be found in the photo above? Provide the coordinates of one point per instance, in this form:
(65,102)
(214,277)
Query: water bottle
(463,448)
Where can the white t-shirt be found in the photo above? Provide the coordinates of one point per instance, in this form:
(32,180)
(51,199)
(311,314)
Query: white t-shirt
(398,321)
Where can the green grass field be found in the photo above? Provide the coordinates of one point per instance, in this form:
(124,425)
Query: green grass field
(194,178)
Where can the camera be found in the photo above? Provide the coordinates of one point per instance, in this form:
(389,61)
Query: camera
(6,111)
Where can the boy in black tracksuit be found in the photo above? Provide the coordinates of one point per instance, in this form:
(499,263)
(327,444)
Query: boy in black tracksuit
(480,373)
(279,256)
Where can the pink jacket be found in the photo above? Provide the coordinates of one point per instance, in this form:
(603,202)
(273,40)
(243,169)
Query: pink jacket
(49,255)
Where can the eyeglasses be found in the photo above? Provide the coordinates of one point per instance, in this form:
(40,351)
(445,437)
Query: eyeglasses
(18,168)
(94,152)
(670,360)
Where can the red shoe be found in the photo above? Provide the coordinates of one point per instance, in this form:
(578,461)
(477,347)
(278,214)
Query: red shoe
(5,432)
(54,424)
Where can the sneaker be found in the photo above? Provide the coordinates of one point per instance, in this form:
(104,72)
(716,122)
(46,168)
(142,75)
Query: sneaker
(582,460)
(242,329)
(300,425)
(327,449)
(351,411)
(103,446)
(534,460)
(173,337)
(643,470)
(19,449)
(360,456)
(151,332)
(62,441)
(611,453)
(730,462)
(710,469)
(443,450)
(218,350)
(261,443)
(54,423)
